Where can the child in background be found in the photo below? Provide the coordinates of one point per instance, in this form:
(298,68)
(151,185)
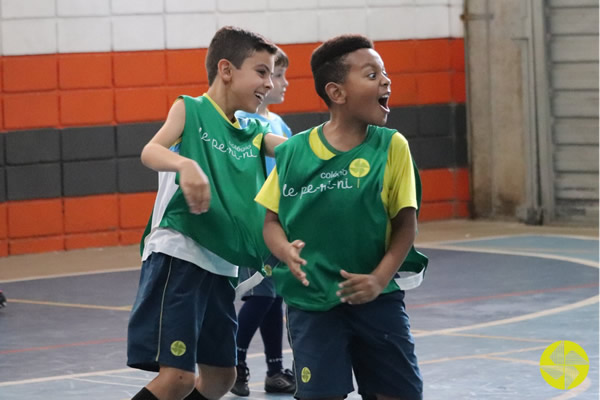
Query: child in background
(204,223)
(262,307)
(341,215)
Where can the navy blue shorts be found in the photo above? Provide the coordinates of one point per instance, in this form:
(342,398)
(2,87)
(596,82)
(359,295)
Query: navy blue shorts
(183,315)
(373,339)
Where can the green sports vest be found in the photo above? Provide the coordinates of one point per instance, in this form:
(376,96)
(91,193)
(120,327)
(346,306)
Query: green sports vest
(334,205)
(232,160)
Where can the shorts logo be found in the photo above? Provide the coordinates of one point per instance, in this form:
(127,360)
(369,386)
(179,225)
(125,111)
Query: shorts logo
(268,270)
(178,348)
(305,375)
(564,365)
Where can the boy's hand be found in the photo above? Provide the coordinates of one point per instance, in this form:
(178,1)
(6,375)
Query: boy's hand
(195,187)
(295,262)
(359,288)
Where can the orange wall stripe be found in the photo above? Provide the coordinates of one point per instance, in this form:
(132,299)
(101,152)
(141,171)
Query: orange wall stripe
(30,73)
(91,213)
(36,245)
(86,240)
(75,107)
(35,218)
(142,68)
(35,89)
(85,71)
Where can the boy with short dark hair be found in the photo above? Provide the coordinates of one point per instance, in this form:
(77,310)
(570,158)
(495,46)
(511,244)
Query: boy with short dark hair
(203,225)
(341,214)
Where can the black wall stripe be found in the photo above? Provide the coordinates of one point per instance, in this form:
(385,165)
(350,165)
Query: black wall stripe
(50,163)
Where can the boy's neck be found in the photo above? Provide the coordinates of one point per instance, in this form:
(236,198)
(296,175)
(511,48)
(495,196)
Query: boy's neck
(219,95)
(344,133)
(263,110)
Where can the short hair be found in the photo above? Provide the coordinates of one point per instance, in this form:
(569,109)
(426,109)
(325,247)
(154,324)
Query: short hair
(235,45)
(281,59)
(328,61)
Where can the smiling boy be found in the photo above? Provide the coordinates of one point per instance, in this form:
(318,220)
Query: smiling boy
(341,215)
(203,225)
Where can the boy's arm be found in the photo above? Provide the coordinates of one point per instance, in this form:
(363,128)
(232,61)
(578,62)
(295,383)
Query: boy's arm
(271,141)
(280,247)
(362,288)
(157,156)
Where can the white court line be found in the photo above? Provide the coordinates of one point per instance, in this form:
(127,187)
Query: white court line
(575,260)
(526,317)
(104,382)
(496,237)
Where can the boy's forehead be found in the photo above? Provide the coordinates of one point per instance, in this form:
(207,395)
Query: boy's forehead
(361,57)
(261,57)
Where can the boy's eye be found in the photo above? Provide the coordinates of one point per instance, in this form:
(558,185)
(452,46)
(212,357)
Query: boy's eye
(372,75)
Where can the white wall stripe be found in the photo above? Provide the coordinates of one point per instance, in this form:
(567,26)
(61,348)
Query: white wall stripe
(31,27)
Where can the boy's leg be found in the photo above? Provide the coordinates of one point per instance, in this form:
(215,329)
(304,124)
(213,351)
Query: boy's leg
(216,349)
(278,380)
(383,353)
(320,342)
(165,323)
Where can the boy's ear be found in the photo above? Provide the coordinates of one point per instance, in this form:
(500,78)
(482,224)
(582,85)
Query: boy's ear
(336,93)
(225,69)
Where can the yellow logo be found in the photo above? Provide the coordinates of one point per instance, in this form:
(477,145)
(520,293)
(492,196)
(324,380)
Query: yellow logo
(359,167)
(305,374)
(564,365)
(268,270)
(178,348)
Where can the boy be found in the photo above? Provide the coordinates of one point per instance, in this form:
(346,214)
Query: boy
(203,225)
(341,214)
(262,307)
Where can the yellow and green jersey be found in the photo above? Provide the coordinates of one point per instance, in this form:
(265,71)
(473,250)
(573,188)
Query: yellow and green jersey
(341,205)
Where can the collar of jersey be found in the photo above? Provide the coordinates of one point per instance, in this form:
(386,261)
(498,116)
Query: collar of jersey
(321,147)
(235,124)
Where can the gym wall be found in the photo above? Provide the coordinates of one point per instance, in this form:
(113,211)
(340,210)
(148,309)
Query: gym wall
(85,84)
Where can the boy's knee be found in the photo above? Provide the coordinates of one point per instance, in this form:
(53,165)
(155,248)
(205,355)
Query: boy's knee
(215,382)
(172,383)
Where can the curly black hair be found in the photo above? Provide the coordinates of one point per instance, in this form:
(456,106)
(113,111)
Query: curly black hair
(327,60)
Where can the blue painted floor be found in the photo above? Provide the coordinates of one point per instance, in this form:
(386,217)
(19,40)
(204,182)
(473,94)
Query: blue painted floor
(482,318)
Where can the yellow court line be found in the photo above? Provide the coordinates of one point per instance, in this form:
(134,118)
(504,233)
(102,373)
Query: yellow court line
(513,360)
(575,260)
(526,317)
(510,338)
(473,356)
(73,305)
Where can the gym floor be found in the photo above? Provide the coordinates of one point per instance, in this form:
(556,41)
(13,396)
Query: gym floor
(494,297)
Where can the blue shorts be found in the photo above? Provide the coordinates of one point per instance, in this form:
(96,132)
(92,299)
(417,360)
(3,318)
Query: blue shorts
(183,315)
(373,339)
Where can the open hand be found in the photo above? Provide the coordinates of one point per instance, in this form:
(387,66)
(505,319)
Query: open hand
(295,262)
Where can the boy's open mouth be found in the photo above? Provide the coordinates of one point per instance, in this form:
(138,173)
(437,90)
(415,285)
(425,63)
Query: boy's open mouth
(383,101)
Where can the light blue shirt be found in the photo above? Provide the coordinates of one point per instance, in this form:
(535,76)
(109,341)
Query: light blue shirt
(278,126)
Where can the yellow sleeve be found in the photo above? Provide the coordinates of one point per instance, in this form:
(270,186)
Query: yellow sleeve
(269,194)
(399,190)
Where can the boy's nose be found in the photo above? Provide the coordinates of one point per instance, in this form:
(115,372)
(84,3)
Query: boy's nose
(269,83)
